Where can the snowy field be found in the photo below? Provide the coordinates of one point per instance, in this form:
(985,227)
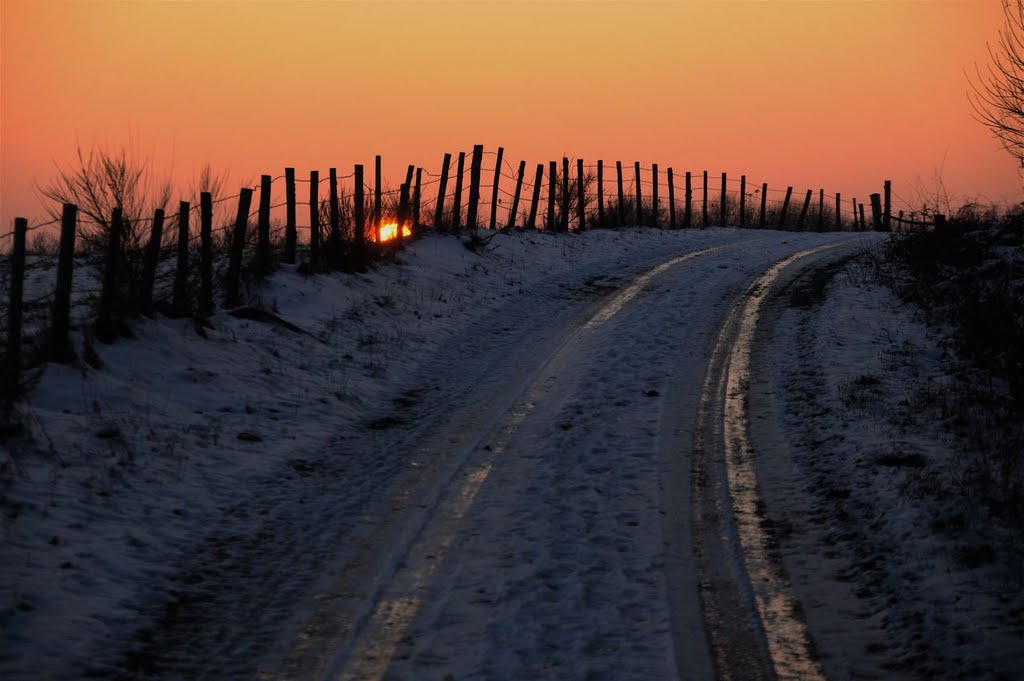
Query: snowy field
(476,465)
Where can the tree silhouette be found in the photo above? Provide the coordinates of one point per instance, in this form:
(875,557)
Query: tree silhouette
(997,92)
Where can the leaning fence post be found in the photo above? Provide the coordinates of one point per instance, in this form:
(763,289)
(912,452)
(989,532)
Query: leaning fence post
(581,195)
(59,349)
(671,201)
(108,295)
(764,205)
(416,197)
(494,189)
(178,301)
(457,208)
(785,208)
(803,212)
(743,200)
(205,255)
(441,191)
(149,265)
(654,195)
(639,195)
(622,196)
(705,210)
(876,212)
(863,221)
(531,223)
(263,227)
(515,198)
(474,186)
(314,221)
(600,193)
(12,358)
(237,247)
(290,231)
(839,211)
(856,223)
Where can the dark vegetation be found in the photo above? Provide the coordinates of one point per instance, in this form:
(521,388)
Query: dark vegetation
(969,278)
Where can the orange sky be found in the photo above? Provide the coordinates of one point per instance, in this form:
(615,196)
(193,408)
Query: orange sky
(833,94)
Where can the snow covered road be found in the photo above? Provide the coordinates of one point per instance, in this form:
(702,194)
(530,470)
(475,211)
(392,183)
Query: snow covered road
(552,539)
(470,466)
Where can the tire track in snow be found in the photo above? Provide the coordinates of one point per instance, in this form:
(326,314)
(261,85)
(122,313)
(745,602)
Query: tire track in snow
(340,643)
(752,620)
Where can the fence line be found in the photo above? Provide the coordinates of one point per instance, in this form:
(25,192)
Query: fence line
(338,235)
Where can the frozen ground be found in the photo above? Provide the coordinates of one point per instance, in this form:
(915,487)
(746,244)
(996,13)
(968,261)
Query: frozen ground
(461,466)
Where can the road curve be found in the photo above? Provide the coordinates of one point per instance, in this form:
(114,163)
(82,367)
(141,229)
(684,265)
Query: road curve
(753,621)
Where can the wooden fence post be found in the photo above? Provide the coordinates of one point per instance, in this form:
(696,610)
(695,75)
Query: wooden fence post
(723,209)
(403,216)
(376,197)
(552,180)
(494,189)
(205,255)
(743,200)
(59,349)
(457,208)
(408,177)
(565,195)
(600,193)
(839,211)
(314,221)
(60,343)
(179,301)
(671,200)
(622,196)
(416,198)
(863,221)
(654,195)
(688,198)
(706,221)
(108,296)
(233,298)
(11,379)
(887,214)
(291,235)
(581,207)
(359,215)
(263,227)
(156,234)
(441,191)
(856,223)
(334,215)
(821,210)
(531,223)
(515,198)
(785,208)
(474,186)
(639,196)
(764,205)
(803,211)
(876,212)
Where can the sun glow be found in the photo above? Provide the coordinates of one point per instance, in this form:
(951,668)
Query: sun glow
(389,231)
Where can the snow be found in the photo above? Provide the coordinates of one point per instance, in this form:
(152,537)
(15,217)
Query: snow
(846,372)
(465,464)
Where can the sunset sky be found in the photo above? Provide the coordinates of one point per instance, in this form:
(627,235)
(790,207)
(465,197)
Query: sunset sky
(832,94)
